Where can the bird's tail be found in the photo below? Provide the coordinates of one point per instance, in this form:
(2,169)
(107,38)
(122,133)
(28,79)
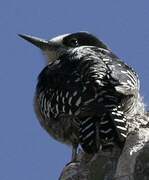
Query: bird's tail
(103,131)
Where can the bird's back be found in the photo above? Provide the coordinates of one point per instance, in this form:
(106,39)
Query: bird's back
(83,96)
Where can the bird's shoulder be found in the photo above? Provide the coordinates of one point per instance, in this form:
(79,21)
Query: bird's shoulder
(108,67)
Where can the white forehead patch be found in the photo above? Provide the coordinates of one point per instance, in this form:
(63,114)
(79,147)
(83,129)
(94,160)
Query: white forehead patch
(59,39)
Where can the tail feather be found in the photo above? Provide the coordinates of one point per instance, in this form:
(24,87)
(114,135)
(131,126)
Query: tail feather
(103,131)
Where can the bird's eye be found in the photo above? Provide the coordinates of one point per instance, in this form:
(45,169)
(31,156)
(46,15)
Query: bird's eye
(74,42)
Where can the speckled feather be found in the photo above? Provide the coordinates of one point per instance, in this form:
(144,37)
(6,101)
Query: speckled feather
(84,96)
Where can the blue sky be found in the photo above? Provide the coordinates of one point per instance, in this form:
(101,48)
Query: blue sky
(26,150)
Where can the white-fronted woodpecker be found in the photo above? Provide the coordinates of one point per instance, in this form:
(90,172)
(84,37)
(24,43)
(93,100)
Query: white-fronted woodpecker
(85,93)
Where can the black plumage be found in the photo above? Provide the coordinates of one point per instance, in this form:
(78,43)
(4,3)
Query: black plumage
(85,94)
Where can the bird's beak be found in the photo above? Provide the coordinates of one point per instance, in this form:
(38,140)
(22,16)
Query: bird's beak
(51,48)
(40,43)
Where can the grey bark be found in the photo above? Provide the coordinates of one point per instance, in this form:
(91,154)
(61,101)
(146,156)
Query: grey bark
(132,163)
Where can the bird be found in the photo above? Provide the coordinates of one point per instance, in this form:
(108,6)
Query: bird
(85,93)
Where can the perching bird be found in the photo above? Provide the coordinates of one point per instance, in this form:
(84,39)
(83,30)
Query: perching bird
(85,93)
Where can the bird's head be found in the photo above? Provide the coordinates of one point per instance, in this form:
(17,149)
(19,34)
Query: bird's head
(59,45)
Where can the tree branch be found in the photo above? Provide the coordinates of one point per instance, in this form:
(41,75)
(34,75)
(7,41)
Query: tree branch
(130,164)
